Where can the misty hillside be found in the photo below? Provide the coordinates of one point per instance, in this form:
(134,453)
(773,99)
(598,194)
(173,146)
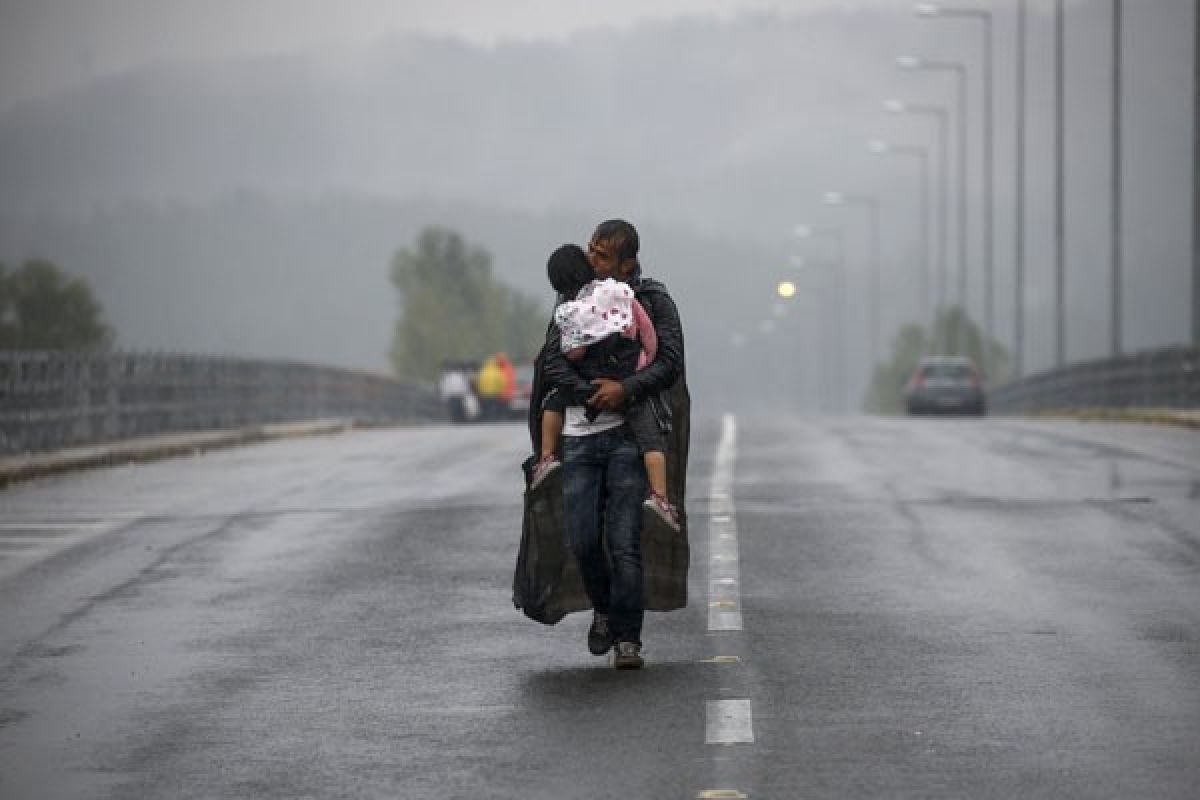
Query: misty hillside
(251,275)
(252,206)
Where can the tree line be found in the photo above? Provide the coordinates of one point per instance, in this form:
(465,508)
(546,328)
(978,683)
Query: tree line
(453,309)
(43,308)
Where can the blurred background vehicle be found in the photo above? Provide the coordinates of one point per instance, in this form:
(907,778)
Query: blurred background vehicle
(486,390)
(518,405)
(945,385)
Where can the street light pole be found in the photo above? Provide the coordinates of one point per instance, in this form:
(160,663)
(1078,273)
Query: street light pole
(921,154)
(984,17)
(1060,338)
(1019,222)
(943,232)
(840,301)
(872,206)
(1115,325)
(1196,182)
(960,72)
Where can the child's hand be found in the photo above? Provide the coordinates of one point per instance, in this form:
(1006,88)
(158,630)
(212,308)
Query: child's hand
(609,396)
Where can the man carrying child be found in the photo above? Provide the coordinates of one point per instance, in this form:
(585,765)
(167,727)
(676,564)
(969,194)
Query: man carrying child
(604,474)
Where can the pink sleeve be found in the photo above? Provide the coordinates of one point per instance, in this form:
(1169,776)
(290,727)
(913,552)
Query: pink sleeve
(646,335)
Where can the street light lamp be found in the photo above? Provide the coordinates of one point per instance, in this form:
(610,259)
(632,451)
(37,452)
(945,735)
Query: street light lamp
(943,234)
(984,17)
(882,147)
(960,72)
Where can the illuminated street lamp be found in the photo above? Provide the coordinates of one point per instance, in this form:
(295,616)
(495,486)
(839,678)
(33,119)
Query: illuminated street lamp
(786,289)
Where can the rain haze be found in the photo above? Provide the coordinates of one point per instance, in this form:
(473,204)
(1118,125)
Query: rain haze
(286,511)
(235,177)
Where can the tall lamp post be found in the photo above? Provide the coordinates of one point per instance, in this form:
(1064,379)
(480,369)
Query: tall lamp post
(943,234)
(960,72)
(1019,211)
(838,259)
(984,17)
(1060,242)
(871,204)
(921,154)
(1196,183)
(1115,324)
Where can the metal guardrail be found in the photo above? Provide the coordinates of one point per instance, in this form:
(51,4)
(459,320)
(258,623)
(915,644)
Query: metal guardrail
(1166,378)
(50,400)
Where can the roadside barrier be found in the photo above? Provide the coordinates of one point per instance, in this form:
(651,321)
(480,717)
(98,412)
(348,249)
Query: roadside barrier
(51,400)
(1168,378)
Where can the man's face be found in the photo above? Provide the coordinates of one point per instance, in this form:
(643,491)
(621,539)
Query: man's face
(602,255)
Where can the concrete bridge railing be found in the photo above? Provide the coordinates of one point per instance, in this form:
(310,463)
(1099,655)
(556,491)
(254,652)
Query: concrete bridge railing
(51,400)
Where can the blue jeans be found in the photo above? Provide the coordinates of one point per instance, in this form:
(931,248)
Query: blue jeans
(604,483)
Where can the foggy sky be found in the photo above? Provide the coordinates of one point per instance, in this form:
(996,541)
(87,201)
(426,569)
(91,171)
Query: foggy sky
(51,45)
(304,171)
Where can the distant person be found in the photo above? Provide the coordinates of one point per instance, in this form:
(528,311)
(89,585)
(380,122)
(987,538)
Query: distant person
(509,372)
(605,333)
(492,384)
(604,479)
(456,393)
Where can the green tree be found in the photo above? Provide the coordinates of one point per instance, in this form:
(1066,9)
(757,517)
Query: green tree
(42,308)
(885,395)
(452,308)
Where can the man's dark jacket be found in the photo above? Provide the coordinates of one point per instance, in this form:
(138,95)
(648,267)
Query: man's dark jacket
(547,585)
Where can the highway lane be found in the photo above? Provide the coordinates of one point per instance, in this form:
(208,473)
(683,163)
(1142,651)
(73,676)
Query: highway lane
(972,609)
(933,608)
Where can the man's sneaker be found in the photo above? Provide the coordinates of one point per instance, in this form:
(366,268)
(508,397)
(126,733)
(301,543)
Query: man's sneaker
(600,639)
(542,470)
(663,508)
(629,656)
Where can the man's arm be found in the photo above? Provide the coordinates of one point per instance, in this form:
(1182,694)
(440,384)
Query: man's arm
(667,366)
(559,371)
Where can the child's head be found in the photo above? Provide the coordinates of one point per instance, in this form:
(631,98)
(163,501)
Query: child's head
(568,269)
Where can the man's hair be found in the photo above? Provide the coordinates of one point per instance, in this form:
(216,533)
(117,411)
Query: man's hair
(569,270)
(621,234)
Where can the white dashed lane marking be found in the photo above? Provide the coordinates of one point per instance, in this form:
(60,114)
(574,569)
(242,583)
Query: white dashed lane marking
(724,593)
(729,722)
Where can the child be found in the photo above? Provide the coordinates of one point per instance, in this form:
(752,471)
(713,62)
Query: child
(607,334)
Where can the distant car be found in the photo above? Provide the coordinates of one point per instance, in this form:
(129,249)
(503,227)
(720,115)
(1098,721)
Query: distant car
(945,385)
(518,406)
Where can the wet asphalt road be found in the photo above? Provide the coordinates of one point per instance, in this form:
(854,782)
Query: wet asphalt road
(931,608)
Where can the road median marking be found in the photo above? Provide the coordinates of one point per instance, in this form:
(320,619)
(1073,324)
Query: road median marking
(729,721)
(722,660)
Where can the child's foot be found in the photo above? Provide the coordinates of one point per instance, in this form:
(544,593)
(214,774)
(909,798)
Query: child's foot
(663,508)
(542,470)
